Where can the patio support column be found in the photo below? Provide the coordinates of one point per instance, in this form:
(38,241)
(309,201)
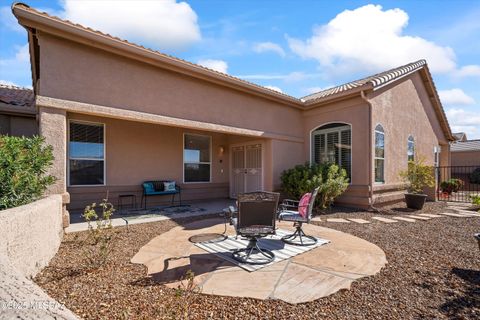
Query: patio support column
(53,127)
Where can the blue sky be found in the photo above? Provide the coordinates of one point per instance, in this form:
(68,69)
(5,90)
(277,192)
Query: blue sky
(298,47)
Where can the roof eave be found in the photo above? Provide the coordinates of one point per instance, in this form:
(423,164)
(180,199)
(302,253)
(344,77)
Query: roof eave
(347,94)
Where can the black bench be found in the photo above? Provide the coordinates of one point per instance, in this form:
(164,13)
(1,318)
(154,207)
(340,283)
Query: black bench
(157,188)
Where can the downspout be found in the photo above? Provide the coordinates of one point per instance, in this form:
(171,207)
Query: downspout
(370,152)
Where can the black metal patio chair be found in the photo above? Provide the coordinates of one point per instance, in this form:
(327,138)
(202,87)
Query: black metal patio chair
(299,212)
(255,218)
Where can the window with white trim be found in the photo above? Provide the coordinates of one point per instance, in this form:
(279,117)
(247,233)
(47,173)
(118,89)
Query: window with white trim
(333,143)
(379,154)
(196,158)
(86,154)
(410,149)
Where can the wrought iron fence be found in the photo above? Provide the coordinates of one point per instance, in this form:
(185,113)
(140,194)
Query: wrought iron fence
(458,183)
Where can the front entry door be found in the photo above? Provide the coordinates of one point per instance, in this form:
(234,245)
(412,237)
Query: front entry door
(246,169)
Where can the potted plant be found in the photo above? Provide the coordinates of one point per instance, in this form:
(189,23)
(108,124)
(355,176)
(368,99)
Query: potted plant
(417,176)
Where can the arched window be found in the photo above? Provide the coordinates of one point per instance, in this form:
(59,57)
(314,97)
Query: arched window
(333,143)
(379,154)
(410,148)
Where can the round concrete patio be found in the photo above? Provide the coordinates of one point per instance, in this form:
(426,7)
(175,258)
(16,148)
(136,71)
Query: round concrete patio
(305,277)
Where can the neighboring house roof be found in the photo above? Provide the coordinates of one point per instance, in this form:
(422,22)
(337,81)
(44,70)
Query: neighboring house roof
(468,145)
(460,136)
(16,96)
(35,18)
(15,99)
(374,81)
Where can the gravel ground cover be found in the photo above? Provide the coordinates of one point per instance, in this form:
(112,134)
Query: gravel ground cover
(433,272)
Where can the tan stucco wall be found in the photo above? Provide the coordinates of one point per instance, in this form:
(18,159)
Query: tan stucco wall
(353,112)
(17,125)
(31,234)
(136,152)
(128,84)
(466,158)
(403,110)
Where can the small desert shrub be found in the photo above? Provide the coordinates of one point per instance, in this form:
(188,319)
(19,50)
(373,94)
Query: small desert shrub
(301,179)
(98,244)
(23,166)
(451,185)
(475,176)
(418,176)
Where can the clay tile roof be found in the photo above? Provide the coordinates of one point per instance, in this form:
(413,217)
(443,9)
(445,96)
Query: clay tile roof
(16,96)
(374,81)
(185,62)
(469,145)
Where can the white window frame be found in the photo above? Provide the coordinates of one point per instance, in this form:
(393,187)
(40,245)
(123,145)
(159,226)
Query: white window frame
(338,129)
(91,123)
(210,156)
(408,146)
(375,131)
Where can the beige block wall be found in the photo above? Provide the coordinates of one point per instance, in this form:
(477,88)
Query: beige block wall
(124,83)
(404,110)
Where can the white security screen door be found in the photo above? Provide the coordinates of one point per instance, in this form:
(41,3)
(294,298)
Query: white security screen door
(246,169)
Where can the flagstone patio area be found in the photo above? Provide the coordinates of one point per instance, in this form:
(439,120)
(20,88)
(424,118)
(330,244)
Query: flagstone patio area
(306,277)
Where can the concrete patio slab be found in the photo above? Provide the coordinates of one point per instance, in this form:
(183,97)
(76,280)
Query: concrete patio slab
(358,220)
(404,219)
(386,220)
(305,277)
(338,220)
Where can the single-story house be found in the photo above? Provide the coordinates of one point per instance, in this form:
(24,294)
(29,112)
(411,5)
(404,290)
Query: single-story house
(17,111)
(118,114)
(460,136)
(465,153)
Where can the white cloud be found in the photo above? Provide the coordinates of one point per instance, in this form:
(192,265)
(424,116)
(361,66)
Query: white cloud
(464,121)
(274,88)
(312,90)
(455,97)
(289,77)
(16,69)
(218,65)
(469,71)
(163,24)
(8,19)
(269,47)
(369,38)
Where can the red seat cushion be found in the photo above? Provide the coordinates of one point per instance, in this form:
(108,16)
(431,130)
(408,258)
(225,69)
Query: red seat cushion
(303,204)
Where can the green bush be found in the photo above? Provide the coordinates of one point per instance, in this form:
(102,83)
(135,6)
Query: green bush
(451,185)
(23,165)
(475,176)
(301,179)
(418,176)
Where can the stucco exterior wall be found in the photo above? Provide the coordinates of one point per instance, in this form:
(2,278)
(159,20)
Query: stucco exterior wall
(31,234)
(466,158)
(403,110)
(353,112)
(136,152)
(129,84)
(18,126)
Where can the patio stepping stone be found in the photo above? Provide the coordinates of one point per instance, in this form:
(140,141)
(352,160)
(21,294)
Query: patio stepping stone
(386,220)
(358,220)
(404,219)
(337,220)
(453,215)
(418,217)
(316,219)
(429,215)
